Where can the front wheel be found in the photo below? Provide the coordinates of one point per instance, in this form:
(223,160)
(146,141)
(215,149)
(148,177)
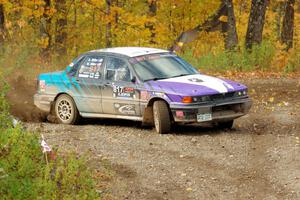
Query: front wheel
(161,117)
(66,110)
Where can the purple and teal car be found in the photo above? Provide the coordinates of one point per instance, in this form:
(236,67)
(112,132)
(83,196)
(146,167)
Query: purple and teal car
(150,85)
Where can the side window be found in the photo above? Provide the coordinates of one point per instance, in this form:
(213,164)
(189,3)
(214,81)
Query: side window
(117,70)
(75,65)
(91,67)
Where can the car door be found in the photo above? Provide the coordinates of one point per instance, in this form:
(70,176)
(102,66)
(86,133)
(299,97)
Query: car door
(119,92)
(89,81)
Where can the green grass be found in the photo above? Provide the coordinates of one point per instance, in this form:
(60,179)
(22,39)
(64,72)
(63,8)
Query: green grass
(24,173)
(5,119)
(294,62)
(259,58)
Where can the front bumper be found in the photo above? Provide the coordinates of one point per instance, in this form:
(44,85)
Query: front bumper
(220,111)
(43,101)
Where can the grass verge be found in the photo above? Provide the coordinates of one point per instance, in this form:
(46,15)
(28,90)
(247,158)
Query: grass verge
(266,57)
(24,173)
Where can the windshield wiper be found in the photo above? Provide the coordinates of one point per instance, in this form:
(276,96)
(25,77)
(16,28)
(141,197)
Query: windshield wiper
(180,75)
(155,79)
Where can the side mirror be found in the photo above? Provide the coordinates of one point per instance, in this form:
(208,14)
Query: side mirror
(133,79)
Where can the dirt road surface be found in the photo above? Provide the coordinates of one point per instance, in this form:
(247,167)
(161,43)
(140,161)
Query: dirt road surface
(258,159)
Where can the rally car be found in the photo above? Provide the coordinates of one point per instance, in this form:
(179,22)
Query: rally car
(153,86)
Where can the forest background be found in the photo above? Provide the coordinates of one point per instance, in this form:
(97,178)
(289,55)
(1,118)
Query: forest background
(220,36)
(223,35)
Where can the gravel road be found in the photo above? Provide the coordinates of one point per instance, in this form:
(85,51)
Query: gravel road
(258,159)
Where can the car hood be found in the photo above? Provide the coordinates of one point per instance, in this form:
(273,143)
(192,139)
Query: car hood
(195,85)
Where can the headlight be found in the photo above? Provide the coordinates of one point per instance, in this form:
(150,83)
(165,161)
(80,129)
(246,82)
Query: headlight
(205,98)
(201,99)
(242,93)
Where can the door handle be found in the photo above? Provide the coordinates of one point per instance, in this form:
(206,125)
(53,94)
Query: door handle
(107,84)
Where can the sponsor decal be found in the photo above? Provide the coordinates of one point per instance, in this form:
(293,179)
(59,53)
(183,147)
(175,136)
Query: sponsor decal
(91,69)
(124,92)
(159,94)
(145,95)
(125,109)
(149,57)
(128,89)
(179,113)
(95,60)
(92,75)
(84,75)
(195,80)
(97,75)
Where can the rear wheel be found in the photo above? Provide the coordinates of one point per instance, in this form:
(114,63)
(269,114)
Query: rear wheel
(66,110)
(226,125)
(161,117)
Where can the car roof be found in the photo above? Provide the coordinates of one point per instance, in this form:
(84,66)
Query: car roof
(131,51)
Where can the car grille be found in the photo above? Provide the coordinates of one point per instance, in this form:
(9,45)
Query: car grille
(218,97)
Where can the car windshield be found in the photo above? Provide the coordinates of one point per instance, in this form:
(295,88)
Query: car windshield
(161,66)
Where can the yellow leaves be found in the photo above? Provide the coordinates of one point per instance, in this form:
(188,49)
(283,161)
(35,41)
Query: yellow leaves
(252,91)
(223,18)
(21,23)
(283,103)
(208,42)
(131,23)
(43,42)
(180,44)
(97,3)
(271,99)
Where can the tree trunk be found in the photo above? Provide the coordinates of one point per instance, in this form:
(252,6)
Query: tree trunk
(152,5)
(256,22)
(287,34)
(17,15)
(213,23)
(209,25)
(108,34)
(279,13)
(2,25)
(61,26)
(75,40)
(45,25)
(231,39)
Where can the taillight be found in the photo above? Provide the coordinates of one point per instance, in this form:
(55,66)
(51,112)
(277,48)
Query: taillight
(42,85)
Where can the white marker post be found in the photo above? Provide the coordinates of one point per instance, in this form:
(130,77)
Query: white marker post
(46,148)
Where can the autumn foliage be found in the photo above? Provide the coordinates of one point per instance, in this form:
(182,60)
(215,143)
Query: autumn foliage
(46,31)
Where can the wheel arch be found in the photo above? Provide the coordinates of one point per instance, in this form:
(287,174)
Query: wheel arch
(77,113)
(56,97)
(152,100)
(61,93)
(148,119)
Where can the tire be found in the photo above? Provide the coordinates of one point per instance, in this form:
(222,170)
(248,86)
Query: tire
(162,121)
(226,125)
(65,110)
